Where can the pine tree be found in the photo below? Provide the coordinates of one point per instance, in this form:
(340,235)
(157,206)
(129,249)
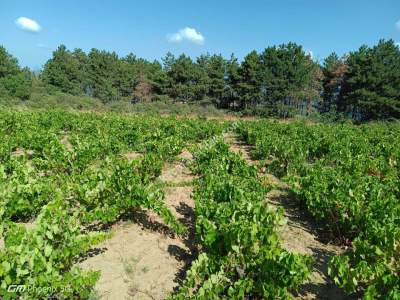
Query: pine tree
(14,82)
(63,71)
(213,72)
(250,81)
(8,64)
(187,80)
(372,83)
(103,74)
(232,80)
(290,79)
(334,70)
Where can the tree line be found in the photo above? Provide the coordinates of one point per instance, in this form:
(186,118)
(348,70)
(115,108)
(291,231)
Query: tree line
(279,81)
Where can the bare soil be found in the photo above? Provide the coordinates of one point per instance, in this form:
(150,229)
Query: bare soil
(65,141)
(300,234)
(144,259)
(131,155)
(177,172)
(241,149)
(21,152)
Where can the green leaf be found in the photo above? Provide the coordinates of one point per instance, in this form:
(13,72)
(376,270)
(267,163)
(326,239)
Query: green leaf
(7,266)
(47,250)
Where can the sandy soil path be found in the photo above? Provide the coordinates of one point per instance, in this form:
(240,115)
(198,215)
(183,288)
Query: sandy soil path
(300,234)
(144,259)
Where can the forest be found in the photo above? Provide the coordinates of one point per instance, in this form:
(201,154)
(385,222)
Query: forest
(280,81)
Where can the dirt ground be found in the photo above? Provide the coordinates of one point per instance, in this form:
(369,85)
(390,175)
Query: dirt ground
(65,141)
(300,234)
(175,173)
(131,155)
(144,259)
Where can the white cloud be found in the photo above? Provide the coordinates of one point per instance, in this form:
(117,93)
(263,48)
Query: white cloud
(398,25)
(398,44)
(27,24)
(44,46)
(187,33)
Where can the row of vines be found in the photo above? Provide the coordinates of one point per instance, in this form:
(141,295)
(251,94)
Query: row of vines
(241,256)
(64,175)
(67,174)
(348,177)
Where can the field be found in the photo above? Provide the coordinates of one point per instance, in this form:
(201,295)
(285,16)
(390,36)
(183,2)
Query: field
(143,207)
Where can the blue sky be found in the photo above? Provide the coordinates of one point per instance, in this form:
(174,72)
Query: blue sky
(150,29)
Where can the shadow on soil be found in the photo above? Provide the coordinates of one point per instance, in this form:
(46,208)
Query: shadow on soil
(185,255)
(137,216)
(299,217)
(141,217)
(92,252)
(321,286)
(322,290)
